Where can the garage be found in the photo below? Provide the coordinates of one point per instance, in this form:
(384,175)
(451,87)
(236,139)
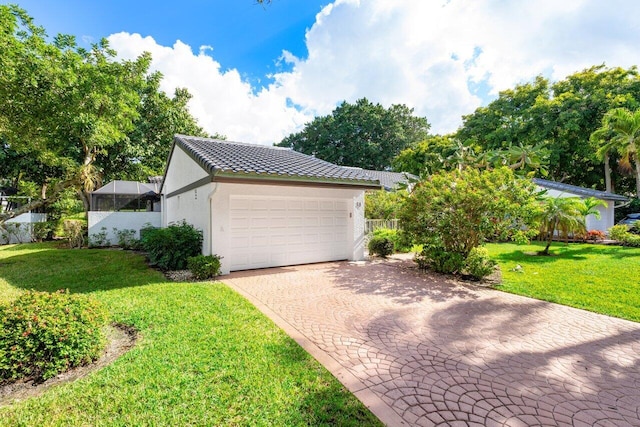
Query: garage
(278,231)
(261,206)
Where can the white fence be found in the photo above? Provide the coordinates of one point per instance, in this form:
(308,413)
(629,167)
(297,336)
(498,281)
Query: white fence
(20,228)
(120,221)
(372,224)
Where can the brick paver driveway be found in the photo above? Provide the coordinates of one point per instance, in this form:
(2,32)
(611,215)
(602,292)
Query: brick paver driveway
(419,350)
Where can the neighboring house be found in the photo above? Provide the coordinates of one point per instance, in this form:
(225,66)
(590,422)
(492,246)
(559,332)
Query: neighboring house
(124,205)
(262,206)
(607,217)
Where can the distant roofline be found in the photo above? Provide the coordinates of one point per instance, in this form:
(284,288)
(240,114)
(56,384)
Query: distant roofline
(581,191)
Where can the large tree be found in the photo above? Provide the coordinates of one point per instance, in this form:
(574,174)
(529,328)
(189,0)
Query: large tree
(70,117)
(363,134)
(64,104)
(144,151)
(558,117)
(620,133)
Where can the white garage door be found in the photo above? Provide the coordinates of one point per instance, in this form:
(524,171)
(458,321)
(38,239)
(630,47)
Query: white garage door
(271,232)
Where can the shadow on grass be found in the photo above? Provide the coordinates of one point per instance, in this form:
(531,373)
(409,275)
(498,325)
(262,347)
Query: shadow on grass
(555,254)
(48,268)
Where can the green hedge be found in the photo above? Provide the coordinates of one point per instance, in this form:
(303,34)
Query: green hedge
(169,248)
(43,334)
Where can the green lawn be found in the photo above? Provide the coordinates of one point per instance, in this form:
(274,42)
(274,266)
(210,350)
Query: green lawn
(206,356)
(604,279)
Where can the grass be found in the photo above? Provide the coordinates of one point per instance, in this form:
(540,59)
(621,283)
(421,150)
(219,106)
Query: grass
(206,357)
(598,278)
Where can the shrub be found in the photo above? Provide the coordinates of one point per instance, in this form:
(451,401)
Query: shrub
(11,231)
(43,334)
(99,239)
(381,246)
(168,248)
(460,210)
(383,204)
(400,240)
(75,232)
(635,228)
(436,258)
(618,232)
(204,266)
(43,230)
(595,235)
(478,265)
(631,239)
(127,238)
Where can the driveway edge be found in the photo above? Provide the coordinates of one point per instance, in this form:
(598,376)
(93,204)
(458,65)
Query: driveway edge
(375,404)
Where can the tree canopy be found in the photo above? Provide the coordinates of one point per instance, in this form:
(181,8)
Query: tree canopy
(362,135)
(560,118)
(71,116)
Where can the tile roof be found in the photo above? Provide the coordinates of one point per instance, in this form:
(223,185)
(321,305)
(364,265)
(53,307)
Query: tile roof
(580,191)
(390,180)
(236,158)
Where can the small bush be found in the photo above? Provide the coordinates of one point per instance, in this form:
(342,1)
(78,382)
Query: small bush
(478,265)
(635,228)
(624,237)
(75,232)
(99,239)
(127,238)
(204,267)
(618,232)
(43,334)
(437,259)
(168,248)
(400,240)
(594,235)
(632,240)
(381,246)
(43,231)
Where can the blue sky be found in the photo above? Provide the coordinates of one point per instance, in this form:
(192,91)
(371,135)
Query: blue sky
(243,34)
(272,69)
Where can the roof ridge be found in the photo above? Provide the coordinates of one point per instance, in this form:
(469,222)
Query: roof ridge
(224,141)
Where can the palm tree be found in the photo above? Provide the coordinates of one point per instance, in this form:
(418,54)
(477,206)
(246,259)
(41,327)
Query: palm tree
(560,214)
(620,131)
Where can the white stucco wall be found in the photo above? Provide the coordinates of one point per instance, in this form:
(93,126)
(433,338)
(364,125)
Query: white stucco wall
(222,192)
(182,172)
(121,221)
(24,224)
(192,205)
(607,218)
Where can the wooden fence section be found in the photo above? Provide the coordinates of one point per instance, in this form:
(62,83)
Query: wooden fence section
(372,224)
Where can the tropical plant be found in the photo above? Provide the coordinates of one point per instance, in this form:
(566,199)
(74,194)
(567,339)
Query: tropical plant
(622,127)
(559,214)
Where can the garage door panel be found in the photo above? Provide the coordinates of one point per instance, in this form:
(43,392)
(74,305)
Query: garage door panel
(269,232)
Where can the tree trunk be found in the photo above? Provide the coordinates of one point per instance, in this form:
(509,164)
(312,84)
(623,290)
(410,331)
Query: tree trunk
(607,173)
(58,189)
(552,231)
(23,209)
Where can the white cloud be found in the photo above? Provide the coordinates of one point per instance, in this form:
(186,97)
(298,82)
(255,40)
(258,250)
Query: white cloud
(222,102)
(425,54)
